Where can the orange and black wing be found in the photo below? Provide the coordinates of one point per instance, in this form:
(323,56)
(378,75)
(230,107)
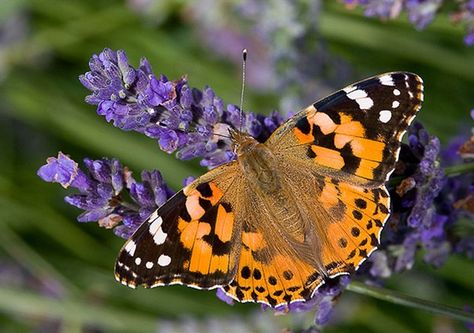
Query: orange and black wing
(189,240)
(354,134)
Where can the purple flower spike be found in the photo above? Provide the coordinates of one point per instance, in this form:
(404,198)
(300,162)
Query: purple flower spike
(224,297)
(65,171)
(420,12)
(101,190)
(185,120)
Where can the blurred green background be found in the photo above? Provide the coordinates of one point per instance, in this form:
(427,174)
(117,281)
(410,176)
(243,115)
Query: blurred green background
(56,275)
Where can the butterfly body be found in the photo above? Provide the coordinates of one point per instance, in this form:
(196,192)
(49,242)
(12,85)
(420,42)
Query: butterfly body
(257,163)
(306,205)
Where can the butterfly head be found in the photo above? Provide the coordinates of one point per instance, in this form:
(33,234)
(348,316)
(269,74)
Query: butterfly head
(242,142)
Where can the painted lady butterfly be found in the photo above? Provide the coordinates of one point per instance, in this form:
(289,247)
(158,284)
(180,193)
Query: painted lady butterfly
(306,205)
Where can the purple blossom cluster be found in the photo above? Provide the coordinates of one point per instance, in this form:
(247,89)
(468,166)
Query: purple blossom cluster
(427,203)
(191,122)
(420,12)
(426,206)
(103,190)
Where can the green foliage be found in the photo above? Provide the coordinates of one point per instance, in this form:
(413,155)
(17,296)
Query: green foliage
(42,111)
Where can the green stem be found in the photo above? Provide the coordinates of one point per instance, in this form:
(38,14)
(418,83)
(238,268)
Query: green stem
(459,169)
(410,301)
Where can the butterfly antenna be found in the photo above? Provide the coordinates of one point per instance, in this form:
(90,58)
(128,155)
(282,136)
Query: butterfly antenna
(244,61)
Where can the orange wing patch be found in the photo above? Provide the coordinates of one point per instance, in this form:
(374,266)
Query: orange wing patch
(359,216)
(355,133)
(186,241)
(270,279)
(343,146)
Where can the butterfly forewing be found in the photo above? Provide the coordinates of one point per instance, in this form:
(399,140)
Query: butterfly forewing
(355,133)
(188,240)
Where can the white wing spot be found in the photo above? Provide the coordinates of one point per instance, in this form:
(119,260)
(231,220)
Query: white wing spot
(155,225)
(164,260)
(365,103)
(395,104)
(386,80)
(360,96)
(149,265)
(357,94)
(385,116)
(138,261)
(349,89)
(131,247)
(160,237)
(396,92)
(153,215)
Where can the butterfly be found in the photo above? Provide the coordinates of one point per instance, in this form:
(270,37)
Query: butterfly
(306,205)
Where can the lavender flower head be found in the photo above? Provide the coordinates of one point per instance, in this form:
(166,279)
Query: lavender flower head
(420,12)
(101,189)
(188,121)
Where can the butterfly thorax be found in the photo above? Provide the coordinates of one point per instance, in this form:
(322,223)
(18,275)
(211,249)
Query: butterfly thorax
(257,162)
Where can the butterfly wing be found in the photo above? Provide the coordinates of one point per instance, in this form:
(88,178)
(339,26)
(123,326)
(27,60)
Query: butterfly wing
(334,158)
(189,240)
(314,228)
(276,266)
(354,134)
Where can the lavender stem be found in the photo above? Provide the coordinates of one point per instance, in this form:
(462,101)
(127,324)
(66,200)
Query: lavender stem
(410,301)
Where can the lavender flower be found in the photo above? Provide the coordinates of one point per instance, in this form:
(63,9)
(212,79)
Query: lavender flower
(185,120)
(101,190)
(426,205)
(420,12)
(323,300)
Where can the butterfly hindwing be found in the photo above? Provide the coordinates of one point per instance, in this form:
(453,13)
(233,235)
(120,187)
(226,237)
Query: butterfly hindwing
(354,134)
(273,267)
(188,240)
(357,216)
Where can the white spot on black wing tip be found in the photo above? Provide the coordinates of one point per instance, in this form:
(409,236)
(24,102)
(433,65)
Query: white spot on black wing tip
(349,89)
(386,80)
(396,92)
(361,97)
(155,224)
(395,104)
(130,247)
(164,260)
(149,265)
(160,237)
(156,231)
(138,261)
(385,116)
(153,216)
